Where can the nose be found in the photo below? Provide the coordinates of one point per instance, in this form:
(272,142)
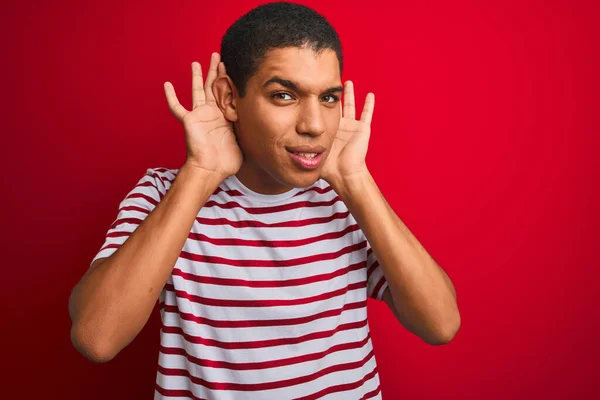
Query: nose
(311,121)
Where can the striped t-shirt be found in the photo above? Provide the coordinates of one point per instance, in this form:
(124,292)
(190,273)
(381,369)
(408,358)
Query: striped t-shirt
(268,297)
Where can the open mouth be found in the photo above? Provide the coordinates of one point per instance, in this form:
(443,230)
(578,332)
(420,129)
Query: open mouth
(306,160)
(308,156)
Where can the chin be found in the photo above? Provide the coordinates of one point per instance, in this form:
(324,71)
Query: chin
(301,180)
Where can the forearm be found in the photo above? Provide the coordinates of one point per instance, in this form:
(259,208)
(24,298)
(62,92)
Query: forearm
(417,244)
(422,293)
(113,301)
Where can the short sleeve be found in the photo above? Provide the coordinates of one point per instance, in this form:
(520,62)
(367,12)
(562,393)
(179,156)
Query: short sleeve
(136,206)
(376,282)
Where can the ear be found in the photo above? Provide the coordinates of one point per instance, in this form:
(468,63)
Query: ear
(225,95)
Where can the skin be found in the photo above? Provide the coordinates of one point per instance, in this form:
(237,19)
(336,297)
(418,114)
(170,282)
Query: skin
(270,118)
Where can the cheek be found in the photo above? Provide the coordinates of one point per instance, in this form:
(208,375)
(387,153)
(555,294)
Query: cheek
(262,132)
(271,125)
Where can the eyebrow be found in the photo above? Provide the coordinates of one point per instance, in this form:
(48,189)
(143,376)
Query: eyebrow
(291,85)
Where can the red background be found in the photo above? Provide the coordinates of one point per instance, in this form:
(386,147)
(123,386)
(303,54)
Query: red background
(485,142)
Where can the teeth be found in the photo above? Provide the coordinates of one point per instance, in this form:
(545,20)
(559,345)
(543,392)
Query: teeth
(307,155)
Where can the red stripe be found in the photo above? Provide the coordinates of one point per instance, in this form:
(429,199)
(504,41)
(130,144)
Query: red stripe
(264,364)
(232,192)
(266,283)
(272,263)
(243,242)
(134,208)
(206,301)
(272,209)
(147,183)
(149,199)
(110,246)
(176,393)
(251,387)
(153,186)
(371,269)
(272,243)
(257,344)
(162,178)
(122,221)
(378,286)
(242,223)
(118,234)
(255,323)
(315,189)
(283,224)
(372,393)
(340,388)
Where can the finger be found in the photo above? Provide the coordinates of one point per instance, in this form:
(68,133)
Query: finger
(215,58)
(221,69)
(219,74)
(198,95)
(349,111)
(176,108)
(367,112)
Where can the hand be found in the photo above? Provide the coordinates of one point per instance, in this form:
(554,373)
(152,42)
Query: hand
(210,141)
(349,149)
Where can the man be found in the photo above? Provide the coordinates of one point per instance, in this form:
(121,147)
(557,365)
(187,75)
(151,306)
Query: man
(263,247)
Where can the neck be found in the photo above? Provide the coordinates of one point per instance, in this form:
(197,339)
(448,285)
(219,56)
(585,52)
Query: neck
(258,180)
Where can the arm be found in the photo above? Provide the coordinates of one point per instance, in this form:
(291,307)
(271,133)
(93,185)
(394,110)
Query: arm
(422,296)
(114,299)
(419,293)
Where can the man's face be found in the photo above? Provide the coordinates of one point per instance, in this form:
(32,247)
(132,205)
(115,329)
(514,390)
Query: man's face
(291,101)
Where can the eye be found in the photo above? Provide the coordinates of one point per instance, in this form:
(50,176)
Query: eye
(334,99)
(278,95)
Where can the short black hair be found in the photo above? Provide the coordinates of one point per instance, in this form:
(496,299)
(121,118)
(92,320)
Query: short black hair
(273,26)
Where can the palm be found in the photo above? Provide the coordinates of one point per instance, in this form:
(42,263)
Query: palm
(349,149)
(210,140)
(210,134)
